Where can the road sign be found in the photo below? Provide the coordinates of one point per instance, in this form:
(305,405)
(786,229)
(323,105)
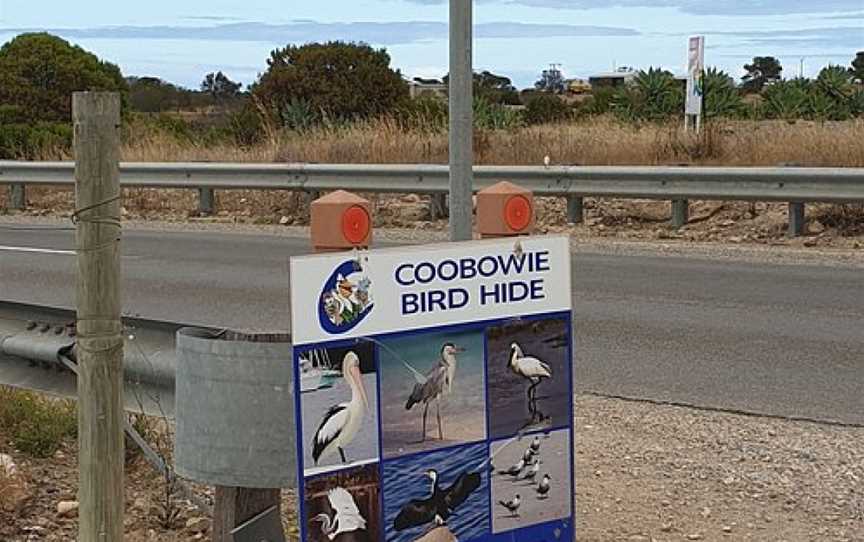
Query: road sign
(695,75)
(435,392)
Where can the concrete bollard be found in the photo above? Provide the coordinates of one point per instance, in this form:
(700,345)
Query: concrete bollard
(797,219)
(680,213)
(341,221)
(206,201)
(17,197)
(505,210)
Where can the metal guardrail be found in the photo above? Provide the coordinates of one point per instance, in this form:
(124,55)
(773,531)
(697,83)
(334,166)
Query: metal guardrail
(793,184)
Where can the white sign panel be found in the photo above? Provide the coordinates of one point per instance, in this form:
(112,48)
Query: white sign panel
(435,392)
(347,295)
(695,75)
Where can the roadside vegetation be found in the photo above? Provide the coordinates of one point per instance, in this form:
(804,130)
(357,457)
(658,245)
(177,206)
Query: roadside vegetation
(331,90)
(36,425)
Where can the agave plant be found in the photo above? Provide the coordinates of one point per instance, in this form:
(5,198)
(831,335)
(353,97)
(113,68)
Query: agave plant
(721,97)
(653,95)
(836,82)
(786,100)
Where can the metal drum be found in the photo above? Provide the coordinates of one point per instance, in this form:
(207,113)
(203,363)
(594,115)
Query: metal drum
(235,409)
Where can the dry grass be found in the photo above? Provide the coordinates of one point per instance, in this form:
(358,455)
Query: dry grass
(598,141)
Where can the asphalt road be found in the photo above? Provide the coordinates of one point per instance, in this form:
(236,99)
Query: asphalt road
(771,339)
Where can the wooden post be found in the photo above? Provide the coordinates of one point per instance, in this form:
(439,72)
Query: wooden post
(96,119)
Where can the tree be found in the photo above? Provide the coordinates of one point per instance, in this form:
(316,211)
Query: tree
(493,88)
(764,71)
(857,69)
(552,80)
(337,79)
(220,87)
(39,72)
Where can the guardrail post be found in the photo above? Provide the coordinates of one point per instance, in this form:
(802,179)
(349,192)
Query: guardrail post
(797,219)
(438,206)
(505,210)
(680,213)
(206,201)
(575,209)
(17,197)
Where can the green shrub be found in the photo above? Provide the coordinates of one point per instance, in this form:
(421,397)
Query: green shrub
(493,116)
(542,108)
(425,113)
(32,141)
(37,425)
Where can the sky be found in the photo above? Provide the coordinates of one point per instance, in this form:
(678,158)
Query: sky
(180,41)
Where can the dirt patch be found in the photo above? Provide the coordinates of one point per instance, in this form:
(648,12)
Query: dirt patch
(644,472)
(741,223)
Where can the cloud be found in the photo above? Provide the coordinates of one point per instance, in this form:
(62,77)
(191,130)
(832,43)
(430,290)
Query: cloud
(846,16)
(302,31)
(744,8)
(839,37)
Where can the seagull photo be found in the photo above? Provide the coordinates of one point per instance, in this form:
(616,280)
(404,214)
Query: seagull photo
(339,421)
(542,482)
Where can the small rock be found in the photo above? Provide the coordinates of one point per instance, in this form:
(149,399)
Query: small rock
(815,227)
(694,536)
(284,221)
(727,529)
(8,465)
(666,527)
(67,509)
(197,525)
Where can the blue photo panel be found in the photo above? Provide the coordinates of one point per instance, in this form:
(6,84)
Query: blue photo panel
(418,489)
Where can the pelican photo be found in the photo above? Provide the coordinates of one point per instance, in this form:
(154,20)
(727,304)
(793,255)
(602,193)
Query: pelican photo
(344,506)
(529,380)
(445,492)
(340,425)
(432,391)
(530,480)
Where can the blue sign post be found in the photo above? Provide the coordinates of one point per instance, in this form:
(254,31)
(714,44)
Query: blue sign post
(435,393)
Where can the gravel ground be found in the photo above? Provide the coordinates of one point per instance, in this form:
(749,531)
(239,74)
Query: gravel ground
(644,472)
(651,472)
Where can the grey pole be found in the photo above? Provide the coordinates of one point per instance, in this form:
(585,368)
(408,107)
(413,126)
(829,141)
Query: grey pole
(461,120)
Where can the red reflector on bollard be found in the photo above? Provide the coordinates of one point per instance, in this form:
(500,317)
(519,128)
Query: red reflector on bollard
(355,224)
(517,213)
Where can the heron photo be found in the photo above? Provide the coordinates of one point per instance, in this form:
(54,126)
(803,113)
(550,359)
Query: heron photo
(432,391)
(529,380)
(339,405)
(441,495)
(531,482)
(344,506)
